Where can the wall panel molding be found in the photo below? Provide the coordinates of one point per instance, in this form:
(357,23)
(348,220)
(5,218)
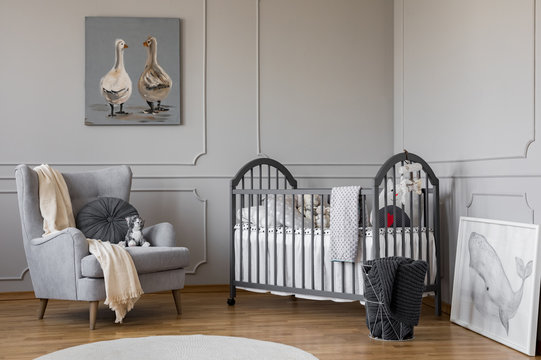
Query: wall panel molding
(401,96)
(523,196)
(15,278)
(259,150)
(196,157)
(204,241)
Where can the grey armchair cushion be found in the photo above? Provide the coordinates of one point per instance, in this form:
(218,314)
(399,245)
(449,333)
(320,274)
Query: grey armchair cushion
(146,260)
(105,219)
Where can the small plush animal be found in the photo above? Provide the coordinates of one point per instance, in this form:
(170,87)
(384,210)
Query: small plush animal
(134,237)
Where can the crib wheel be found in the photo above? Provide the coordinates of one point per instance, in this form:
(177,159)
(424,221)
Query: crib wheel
(230,302)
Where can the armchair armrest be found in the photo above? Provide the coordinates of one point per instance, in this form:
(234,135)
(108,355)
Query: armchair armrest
(55,263)
(162,234)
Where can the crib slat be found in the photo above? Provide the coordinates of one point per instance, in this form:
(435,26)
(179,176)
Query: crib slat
(353,278)
(411,225)
(419,230)
(284,235)
(266,239)
(364,226)
(394,210)
(303,244)
(241,235)
(260,176)
(313,249)
(385,217)
(343,277)
(427,224)
(258,197)
(322,217)
(293,209)
(250,200)
(275,243)
(403,225)
(269,177)
(251,185)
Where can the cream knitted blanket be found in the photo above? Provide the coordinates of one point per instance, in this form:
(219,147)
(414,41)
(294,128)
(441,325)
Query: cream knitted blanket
(122,286)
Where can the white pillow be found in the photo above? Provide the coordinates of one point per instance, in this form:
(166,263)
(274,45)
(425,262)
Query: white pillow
(290,211)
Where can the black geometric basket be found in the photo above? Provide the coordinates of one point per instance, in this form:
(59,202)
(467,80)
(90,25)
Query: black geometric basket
(382,324)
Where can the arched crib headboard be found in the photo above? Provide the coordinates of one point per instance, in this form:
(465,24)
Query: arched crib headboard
(267,173)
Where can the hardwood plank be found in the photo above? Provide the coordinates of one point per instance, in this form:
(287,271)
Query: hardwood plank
(326,329)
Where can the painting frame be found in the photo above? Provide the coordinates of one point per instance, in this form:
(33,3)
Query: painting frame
(488,301)
(133,71)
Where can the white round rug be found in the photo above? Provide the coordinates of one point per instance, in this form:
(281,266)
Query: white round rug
(193,347)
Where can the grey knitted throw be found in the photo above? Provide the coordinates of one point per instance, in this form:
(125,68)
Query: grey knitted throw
(393,289)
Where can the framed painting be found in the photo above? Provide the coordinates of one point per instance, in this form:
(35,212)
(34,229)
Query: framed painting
(496,284)
(132,71)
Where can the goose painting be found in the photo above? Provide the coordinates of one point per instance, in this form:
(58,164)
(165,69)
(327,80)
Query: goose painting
(143,87)
(115,86)
(154,84)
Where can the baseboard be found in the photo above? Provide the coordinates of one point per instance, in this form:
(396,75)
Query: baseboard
(21,295)
(429,301)
(29,295)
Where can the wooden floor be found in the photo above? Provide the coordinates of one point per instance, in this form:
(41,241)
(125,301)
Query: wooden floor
(326,329)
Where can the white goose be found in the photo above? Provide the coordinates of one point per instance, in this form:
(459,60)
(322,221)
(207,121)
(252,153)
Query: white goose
(154,84)
(116,84)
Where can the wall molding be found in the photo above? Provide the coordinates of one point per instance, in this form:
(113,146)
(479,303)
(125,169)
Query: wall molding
(204,120)
(401,46)
(15,278)
(259,151)
(194,269)
(522,196)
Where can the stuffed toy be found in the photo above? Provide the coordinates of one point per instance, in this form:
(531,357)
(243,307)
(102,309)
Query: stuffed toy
(402,198)
(314,208)
(134,237)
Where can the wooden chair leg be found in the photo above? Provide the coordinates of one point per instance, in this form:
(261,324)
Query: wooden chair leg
(176,297)
(42,307)
(93,314)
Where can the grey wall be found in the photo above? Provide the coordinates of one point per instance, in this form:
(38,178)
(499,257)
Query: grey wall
(308,82)
(466,91)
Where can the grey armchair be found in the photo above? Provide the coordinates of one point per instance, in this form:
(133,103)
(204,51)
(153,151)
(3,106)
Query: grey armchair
(61,266)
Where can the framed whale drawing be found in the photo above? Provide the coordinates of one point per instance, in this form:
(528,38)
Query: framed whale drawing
(497,280)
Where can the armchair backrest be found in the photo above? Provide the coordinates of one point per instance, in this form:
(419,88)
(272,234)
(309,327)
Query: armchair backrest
(83,188)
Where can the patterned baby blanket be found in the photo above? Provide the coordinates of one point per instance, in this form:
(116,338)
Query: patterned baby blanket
(344,223)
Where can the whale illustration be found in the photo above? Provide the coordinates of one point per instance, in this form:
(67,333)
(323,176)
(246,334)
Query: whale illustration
(497,289)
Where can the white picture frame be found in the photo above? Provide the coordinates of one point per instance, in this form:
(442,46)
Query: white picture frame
(497,281)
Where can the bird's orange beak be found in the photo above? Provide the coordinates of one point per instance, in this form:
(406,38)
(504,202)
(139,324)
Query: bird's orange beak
(145,44)
(125,46)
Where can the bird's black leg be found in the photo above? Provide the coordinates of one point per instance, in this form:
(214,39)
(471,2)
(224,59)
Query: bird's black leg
(112,110)
(151,110)
(160,108)
(121,111)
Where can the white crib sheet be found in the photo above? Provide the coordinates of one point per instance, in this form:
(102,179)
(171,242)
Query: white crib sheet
(343,273)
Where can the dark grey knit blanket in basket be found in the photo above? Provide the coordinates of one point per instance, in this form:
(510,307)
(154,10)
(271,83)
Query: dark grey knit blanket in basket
(393,289)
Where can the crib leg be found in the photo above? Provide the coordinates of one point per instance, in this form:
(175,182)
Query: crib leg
(232,294)
(437,303)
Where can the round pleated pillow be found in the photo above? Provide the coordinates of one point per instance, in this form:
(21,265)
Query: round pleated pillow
(105,219)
